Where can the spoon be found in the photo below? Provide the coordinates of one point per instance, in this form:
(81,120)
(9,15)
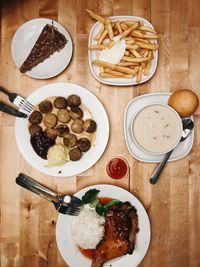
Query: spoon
(188,125)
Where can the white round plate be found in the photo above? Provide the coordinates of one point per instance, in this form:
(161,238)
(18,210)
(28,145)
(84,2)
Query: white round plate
(88,159)
(118,81)
(24,40)
(71,254)
(132,108)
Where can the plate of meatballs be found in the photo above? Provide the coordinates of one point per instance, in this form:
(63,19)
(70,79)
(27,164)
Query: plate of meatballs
(66,133)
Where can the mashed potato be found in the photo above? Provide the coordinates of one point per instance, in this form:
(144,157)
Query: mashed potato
(57,155)
(87,228)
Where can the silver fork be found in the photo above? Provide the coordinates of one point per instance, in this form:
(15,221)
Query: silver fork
(66,204)
(18,101)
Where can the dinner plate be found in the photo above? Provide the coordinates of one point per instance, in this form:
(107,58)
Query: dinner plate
(71,254)
(88,159)
(131,110)
(118,81)
(24,40)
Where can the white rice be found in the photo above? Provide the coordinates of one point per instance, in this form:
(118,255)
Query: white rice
(87,228)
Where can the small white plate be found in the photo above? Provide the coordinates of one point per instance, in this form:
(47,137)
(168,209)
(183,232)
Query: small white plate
(118,81)
(24,40)
(70,168)
(71,254)
(132,108)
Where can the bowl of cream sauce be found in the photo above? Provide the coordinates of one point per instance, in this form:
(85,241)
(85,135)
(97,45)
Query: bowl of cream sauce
(156,128)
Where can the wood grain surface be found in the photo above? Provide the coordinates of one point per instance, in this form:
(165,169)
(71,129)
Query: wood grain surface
(27,221)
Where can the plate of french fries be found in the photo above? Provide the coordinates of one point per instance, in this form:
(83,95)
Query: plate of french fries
(139,61)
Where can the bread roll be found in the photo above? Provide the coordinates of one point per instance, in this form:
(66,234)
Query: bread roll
(185,102)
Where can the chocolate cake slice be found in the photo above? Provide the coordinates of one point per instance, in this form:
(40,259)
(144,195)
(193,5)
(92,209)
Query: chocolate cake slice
(49,41)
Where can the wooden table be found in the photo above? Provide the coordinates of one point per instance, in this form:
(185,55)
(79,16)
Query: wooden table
(27,221)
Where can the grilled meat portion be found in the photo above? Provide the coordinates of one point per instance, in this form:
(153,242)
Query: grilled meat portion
(121,227)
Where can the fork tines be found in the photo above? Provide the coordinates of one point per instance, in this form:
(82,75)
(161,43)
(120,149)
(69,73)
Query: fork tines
(69,209)
(24,104)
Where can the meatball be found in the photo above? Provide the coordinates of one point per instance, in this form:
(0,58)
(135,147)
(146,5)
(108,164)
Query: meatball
(84,144)
(63,115)
(77,126)
(51,133)
(75,154)
(62,129)
(34,129)
(60,102)
(70,140)
(90,126)
(76,113)
(35,117)
(73,101)
(45,106)
(50,120)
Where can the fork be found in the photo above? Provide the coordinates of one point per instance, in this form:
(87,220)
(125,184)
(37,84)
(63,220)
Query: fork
(66,204)
(18,101)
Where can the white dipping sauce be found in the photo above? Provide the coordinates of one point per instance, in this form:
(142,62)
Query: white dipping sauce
(157,128)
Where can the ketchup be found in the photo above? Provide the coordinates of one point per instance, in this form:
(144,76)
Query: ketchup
(117,168)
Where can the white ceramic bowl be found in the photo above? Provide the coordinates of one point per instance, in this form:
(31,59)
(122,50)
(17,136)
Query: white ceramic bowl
(151,127)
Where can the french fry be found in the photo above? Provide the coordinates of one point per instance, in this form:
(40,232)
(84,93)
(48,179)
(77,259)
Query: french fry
(141,40)
(147,68)
(119,26)
(137,34)
(109,75)
(129,38)
(131,22)
(105,32)
(135,59)
(114,72)
(126,64)
(129,30)
(124,27)
(146,29)
(148,46)
(130,42)
(132,47)
(150,36)
(113,67)
(95,16)
(98,47)
(96,38)
(109,28)
(139,74)
(135,53)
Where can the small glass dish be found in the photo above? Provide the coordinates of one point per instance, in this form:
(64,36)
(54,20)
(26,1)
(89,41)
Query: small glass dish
(117,168)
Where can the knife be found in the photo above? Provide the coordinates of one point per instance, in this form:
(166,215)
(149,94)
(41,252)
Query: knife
(9,110)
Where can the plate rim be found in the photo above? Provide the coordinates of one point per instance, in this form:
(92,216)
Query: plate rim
(69,39)
(117,83)
(125,131)
(92,162)
(142,209)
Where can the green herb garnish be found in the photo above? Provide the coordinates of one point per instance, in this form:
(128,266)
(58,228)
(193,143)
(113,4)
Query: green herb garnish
(90,196)
(102,210)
